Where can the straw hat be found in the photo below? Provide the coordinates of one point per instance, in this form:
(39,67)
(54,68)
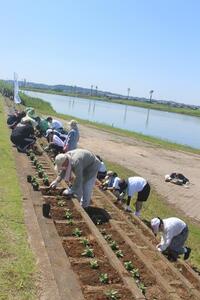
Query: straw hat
(59,160)
(167,177)
(73,123)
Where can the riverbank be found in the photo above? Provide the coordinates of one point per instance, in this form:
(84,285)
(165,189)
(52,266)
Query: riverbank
(162,107)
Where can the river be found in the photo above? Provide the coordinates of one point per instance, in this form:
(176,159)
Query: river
(177,128)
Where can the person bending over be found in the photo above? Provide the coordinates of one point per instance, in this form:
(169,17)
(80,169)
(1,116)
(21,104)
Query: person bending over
(174,235)
(84,165)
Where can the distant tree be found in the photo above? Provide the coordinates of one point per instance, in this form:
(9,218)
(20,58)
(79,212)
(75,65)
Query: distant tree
(150,95)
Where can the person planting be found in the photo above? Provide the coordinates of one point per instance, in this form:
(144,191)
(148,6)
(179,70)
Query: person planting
(174,235)
(85,166)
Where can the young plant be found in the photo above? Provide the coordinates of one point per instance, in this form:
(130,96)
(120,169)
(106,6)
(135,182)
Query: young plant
(70,222)
(38,166)
(35,185)
(108,237)
(68,215)
(77,232)
(94,264)
(119,254)
(85,242)
(128,265)
(142,287)
(114,246)
(40,172)
(88,252)
(46,180)
(35,161)
(32,156)
(61,203)
(103,231)
(135,273)
(112,295)
(103,278)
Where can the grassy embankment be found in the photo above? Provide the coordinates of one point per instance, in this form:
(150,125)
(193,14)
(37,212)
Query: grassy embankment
(17,264)
(148,105)
(155,206)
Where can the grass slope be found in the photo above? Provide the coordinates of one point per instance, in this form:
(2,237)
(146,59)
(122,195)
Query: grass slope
(17,271)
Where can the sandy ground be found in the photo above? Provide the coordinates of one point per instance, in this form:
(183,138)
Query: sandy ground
(152,163)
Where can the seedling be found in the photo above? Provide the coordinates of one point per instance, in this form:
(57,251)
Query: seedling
(94,264)
(119,253)
(68,215)
(32,156)
(135,273)
(35,161)
(112,295)
(35,185)
(103,231)
(61,203)
(88,252)
(77,232)
(70,222)
(114,246)
(38,166)
(46,180)
(128,265)
(103,278)
(108,237)
(29,178)
(34,179)
(142,287)
(40,172)
(85,242)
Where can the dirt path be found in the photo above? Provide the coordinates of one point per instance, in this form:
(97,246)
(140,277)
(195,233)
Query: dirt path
(152,163)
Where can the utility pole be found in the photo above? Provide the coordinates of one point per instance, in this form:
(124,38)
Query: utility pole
(128,93)
(91,90)
(96,89)
(150,95)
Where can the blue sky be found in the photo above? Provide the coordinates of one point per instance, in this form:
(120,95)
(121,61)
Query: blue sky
(112,44)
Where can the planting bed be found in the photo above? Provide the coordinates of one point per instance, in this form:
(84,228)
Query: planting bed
(129,267)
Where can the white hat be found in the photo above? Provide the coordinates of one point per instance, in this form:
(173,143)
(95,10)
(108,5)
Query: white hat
(155,223)
(59,160)
(48,132)
(167,177)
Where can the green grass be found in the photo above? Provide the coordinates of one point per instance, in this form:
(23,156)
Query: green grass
(157,206)
(17,264)
(156,106)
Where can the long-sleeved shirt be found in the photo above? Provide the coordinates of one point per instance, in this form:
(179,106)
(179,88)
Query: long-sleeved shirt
(85,166)
(172,227)
(72,139)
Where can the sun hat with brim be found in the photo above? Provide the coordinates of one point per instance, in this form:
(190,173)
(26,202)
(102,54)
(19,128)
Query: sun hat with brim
(59,160)
(31,113)
(73,123)
(27,118)
(155,223)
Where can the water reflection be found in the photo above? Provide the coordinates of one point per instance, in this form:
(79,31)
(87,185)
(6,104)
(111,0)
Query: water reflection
(173,127)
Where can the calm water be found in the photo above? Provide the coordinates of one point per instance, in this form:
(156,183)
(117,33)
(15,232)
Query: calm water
(173,127)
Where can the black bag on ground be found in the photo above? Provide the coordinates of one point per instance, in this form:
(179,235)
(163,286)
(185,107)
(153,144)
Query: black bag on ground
(46,210)
(98,215)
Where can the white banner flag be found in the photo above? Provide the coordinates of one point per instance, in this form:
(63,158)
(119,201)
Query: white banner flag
(17,99)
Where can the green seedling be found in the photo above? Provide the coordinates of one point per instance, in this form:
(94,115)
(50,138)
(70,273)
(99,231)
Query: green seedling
(40,172)
(103,278)
(108,237)
(61,203)
(94,264)
(88,252)
(35,161)
(77,232)
(112,295)
(142,287)
(114,246)
(103,231)
(85,242)
(128,265)
(34,179)
(32,156)
(68,215)
(119,253)
(46,180)
(38,166)
(135,273)
(70,222)
(35,186)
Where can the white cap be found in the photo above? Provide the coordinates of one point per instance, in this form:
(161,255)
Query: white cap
(167,177)
(48,132)
(155,223)
(59,160)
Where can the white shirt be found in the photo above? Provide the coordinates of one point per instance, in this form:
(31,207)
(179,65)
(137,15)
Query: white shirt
(116,183)
(135,184)
(172,227)
(56,124)
(57,141)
